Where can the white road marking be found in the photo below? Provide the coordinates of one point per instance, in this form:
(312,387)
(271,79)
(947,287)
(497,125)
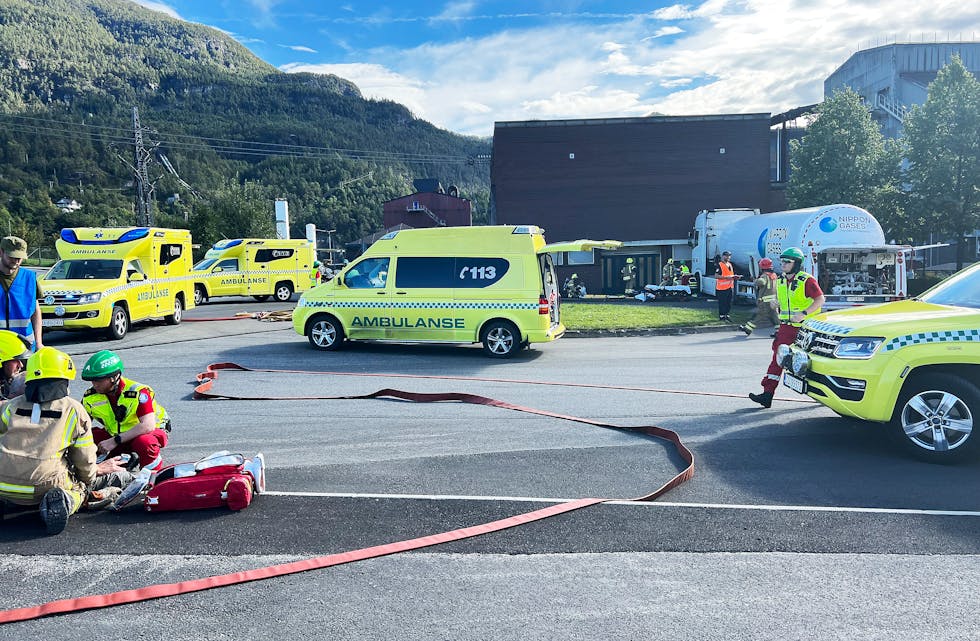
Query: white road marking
(720,506)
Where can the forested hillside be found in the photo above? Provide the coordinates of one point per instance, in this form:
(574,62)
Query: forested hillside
(238,132)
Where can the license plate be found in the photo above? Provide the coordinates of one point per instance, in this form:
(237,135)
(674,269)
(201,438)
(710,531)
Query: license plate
(52,322)
(855,299)
(794,383)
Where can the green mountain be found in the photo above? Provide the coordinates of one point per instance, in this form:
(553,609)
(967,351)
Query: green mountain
(237,131)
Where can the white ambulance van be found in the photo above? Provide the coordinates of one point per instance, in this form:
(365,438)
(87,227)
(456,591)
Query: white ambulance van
(112,277)
(257,267)
(491,285)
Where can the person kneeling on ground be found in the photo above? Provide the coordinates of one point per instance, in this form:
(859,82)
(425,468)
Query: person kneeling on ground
(47,454)
(129,420)
(14,352)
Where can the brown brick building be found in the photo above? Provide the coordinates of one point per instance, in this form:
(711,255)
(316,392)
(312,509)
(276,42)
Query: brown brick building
(639,180)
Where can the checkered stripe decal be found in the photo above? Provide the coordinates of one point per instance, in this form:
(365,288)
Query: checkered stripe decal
(828,328)
(952,336)
(420,305)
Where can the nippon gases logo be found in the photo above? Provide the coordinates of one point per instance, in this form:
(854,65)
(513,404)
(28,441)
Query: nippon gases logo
(844,223)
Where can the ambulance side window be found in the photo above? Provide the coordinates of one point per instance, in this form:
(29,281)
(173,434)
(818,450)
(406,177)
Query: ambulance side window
(228,265)
(133,267)
(415,272)
(370,273)
(169,252)
(268,255)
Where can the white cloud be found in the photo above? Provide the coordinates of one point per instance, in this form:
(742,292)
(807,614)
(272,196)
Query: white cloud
(733,56)
(159,6)
(299,48)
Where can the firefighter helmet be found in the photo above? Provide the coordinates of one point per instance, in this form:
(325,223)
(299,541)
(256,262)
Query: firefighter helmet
(765,263)
(49,362)
(629,261)
(13,347)
(102,364)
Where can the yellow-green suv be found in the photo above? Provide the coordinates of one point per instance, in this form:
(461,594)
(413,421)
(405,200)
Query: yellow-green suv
(913,363)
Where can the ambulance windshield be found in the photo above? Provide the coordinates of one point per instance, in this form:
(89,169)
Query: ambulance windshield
(94,269)
(204,264)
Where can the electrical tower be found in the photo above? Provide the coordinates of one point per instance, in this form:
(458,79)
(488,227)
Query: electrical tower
(141,182)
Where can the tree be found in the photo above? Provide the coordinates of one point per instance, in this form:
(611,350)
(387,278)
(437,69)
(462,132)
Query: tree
(843,158)
(943,138)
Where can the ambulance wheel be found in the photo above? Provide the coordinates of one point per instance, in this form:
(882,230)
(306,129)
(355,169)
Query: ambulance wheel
(325,333)
(935,418)
(284,291)
(501,339)
(174,319)
(118,323)
(262,298)
(200,295)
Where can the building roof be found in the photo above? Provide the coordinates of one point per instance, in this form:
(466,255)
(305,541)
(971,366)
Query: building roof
(626,121)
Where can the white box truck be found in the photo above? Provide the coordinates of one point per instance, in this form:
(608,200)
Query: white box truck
(844,246)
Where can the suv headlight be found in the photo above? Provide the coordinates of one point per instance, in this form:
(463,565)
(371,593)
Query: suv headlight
(858,347)
(89,298)
(783,357)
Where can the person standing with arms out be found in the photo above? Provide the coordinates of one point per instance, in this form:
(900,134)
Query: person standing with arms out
(765,297)
(799,296)
(130,420)
(725,285)
(19,311)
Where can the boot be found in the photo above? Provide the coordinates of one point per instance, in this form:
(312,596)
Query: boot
(746,329)
(764,399)
(54,510)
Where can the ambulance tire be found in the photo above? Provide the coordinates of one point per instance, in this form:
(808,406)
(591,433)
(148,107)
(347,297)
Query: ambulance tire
(175,318)
(284,291)
(262,298)
(501,339)
(916,411)
(118,323)
(325,332)
(200,295)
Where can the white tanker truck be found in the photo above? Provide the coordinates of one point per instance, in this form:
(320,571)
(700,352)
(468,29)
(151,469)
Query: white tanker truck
(844,246)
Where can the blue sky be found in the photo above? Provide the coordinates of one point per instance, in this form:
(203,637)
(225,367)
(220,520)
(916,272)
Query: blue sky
(464,64)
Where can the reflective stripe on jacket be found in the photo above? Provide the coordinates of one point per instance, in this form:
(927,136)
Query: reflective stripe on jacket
(100,408)
(17,303)
(765,287)
(55,451)
(792,296)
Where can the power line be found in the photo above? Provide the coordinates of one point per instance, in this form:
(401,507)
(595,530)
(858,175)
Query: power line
(188,142)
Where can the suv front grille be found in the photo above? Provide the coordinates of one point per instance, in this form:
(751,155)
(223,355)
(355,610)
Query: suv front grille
(817,342)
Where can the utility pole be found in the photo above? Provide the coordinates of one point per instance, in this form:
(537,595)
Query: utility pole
(144,188)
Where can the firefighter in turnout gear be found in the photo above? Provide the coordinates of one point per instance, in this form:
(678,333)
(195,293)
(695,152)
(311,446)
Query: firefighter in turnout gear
(47,454)
(629,277)
(129,419)
(766,307)
(799,296)
(14,352)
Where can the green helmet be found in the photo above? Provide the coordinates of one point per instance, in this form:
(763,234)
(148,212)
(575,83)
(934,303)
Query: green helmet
(793,252)
(102,364)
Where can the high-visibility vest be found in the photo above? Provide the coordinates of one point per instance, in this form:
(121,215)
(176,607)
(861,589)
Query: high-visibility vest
(726,271)
(791,292)
(100,408)
(17,304)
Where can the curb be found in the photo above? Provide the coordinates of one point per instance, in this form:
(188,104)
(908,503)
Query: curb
(653,331)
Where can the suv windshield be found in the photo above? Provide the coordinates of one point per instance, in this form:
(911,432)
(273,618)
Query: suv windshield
(85,269)
(960,290)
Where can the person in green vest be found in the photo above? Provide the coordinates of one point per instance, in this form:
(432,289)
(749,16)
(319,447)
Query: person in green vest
(799,296)
(128,418)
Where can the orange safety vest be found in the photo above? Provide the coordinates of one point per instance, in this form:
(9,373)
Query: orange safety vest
(727,280)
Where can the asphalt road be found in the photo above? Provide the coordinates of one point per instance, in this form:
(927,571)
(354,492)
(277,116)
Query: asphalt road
(797,524)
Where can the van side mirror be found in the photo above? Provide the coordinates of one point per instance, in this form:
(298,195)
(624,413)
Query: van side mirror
(136,277)
(690,239)
(216,270)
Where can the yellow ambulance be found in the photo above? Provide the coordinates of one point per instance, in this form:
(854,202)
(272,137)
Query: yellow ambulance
(112,277)
(257,267)
(492,285)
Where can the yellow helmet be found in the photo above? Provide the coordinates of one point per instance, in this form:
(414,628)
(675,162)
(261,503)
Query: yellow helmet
(49,362)
(13,347)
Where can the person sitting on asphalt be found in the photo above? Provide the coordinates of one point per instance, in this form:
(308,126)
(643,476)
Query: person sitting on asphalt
(129,419)
(14,352)
(47,454)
